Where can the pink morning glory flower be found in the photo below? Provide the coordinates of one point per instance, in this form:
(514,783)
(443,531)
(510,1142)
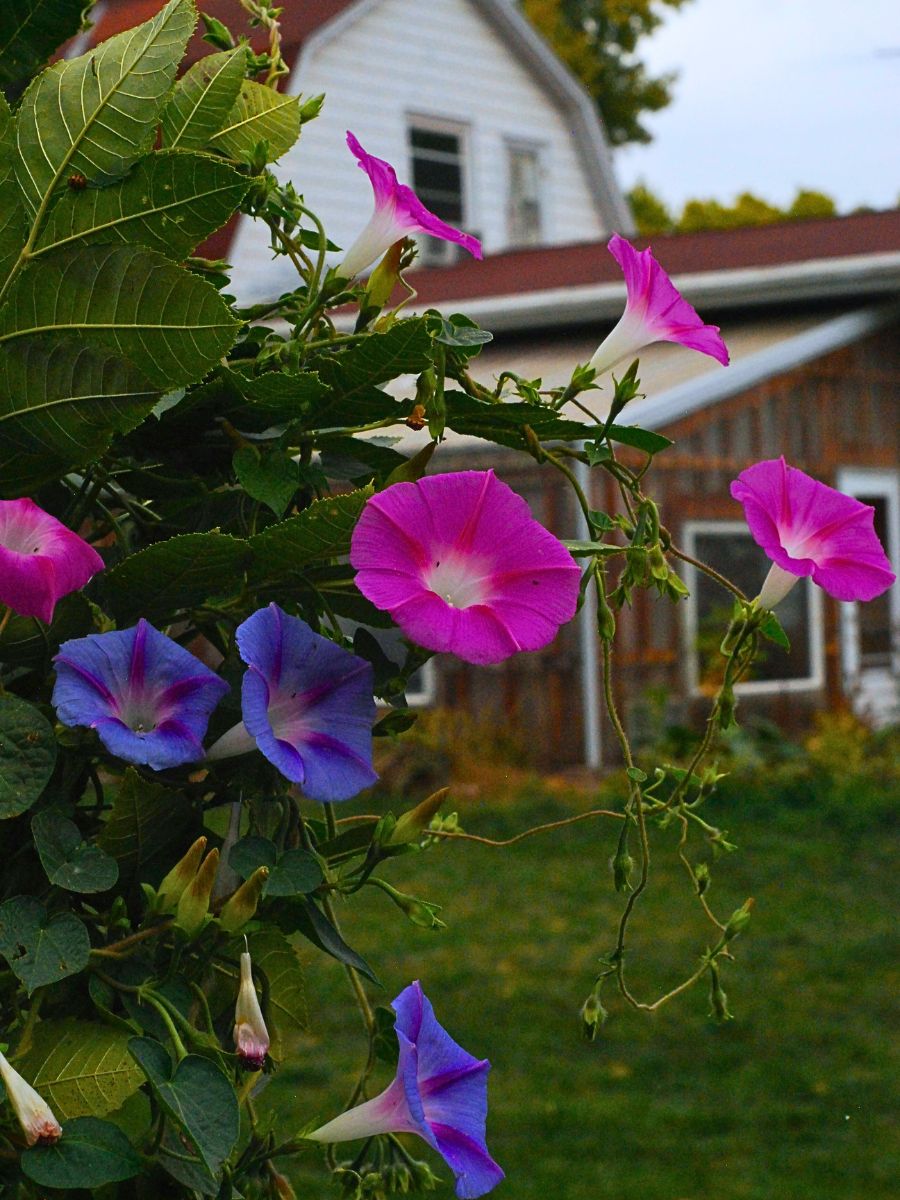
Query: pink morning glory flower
(655,311)
(439,1093)
(40,560)
(251,1038)
(462,566)
(398,213)
(307,705)
(149,700)
(39,1125)
(808,528)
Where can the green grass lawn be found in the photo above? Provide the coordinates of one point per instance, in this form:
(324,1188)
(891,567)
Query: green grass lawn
(792,1100)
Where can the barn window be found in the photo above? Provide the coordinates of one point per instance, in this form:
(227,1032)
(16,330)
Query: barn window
(727,546)
(524,197)
(437,153)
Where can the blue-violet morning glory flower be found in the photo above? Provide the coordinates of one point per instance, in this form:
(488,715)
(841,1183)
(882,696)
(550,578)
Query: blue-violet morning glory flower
(307,705)
(439,1093)
(149,700)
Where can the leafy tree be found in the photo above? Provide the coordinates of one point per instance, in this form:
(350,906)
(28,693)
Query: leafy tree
(598,40)
(651,214)
(807,204)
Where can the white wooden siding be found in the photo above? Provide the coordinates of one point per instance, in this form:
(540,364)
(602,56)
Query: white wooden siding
(405,58)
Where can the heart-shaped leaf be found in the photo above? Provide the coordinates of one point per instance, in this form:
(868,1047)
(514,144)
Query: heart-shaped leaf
(196,1095)
(291,873)
(70,861)
(40,948)
(27,755)
(271,478)
(89,1154)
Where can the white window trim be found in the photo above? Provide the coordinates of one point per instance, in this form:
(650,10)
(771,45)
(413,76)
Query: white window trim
(755,687)
(463,131)
(871,481)
(425,696)
(539,149)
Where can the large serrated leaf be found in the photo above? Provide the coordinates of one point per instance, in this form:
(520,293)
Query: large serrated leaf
(259,115)
(27,755)
(97,114)
(147,822)
(319,533)
(172,325)
(82,1068)
(60,404)
(30,30)
(203,98)
(12,205)
(172,576)
(41,948)
(170,202)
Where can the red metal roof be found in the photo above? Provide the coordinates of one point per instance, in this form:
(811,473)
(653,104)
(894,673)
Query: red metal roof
(543,267)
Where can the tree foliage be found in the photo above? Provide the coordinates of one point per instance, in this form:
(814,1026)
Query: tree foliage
(600,42)
(652,215)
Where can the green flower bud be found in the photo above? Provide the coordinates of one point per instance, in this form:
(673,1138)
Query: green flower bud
(593,1016)
(623,865)
(193,906)
(181,876)
(606,621)
(421,912)
(659,568)
(718,1001)
(702,878)
(738,921)
(241,906)
(411,825)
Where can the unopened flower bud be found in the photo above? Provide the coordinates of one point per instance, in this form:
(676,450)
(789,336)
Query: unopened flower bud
(281,1184)
(241,907)
(718,1001)
(738,921)
(421,912)
(593,1016)
(181,875)
(251,1038)
(701,878)
(193,905)
(411,825)
(35,1116)
(606,621)
(659,568)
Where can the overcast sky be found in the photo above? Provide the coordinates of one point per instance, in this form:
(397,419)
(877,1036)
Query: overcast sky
(773,95)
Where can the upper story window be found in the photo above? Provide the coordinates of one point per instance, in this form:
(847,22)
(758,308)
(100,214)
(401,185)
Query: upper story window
(524,198)
(437,152)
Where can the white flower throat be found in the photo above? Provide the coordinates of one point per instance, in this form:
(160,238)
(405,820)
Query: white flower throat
(461,582)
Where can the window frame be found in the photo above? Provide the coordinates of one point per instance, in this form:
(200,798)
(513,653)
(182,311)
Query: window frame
(539,150)
(813,682)
(444,253)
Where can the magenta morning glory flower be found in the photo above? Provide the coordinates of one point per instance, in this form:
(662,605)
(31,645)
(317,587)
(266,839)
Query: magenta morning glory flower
(439,1093)
(307,705)
(40,560)
(398,213)
(461,565)
(808,528)
(149,699)
(655,311)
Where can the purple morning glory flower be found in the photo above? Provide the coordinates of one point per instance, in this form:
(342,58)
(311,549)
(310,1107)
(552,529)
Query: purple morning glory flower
(655,311)
(40,560)
(307,706)
(149,700)
(439,1093)
(462,566)
(398,213)
(808,528)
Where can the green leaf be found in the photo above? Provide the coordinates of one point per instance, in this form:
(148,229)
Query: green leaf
(12,202)
(170,202)
(459,331)
(70,861)
(172,576)
(27,756)
(90,1153)
(97,114)
(271,478)
(30,30)
(291,873)
(196,1095)
(770,627)
(60,404)
(40,948)
(203,98)
(319,533)
(503,423)
(640,439)
(171,324)
(277,397)
(82,1068)
(307,918)
(147,821)
(259,114)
